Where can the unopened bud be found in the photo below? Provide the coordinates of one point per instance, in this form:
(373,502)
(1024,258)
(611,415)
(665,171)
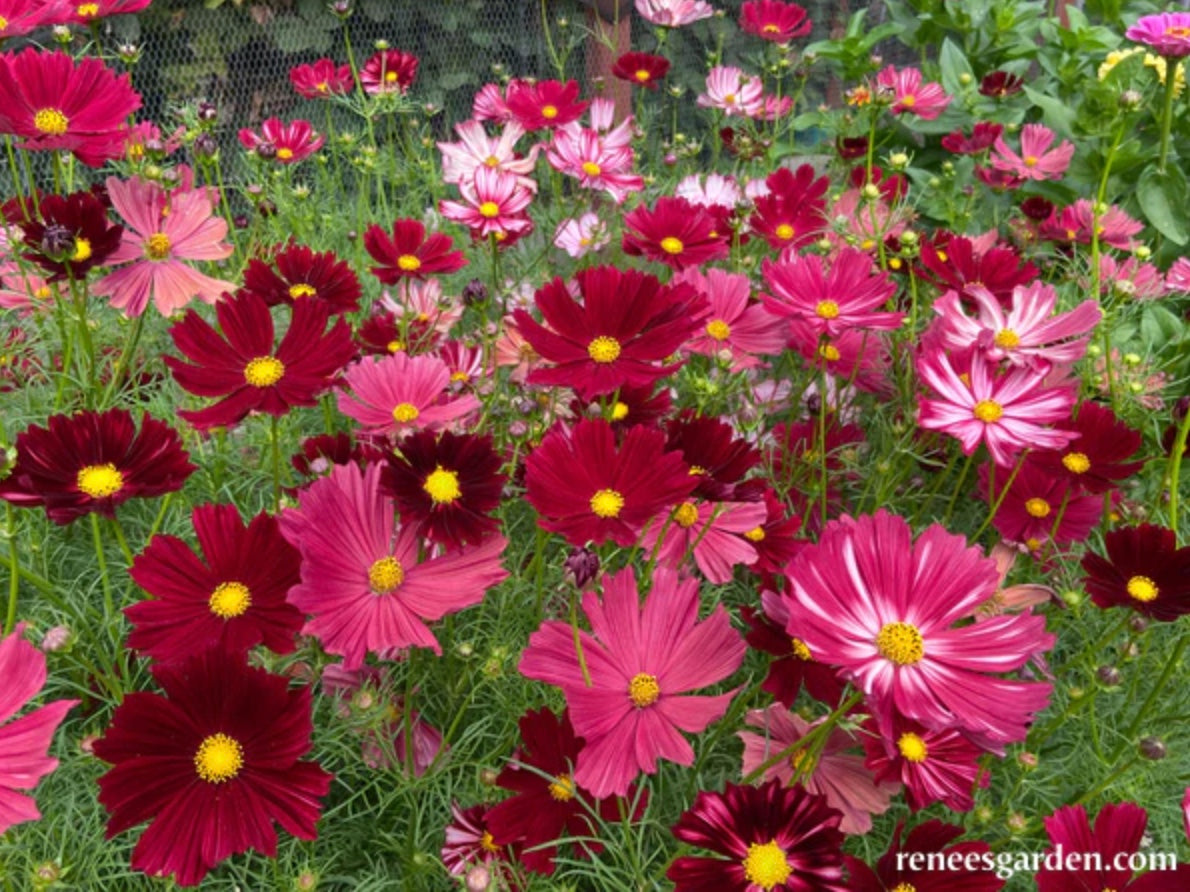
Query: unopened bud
(1152,748)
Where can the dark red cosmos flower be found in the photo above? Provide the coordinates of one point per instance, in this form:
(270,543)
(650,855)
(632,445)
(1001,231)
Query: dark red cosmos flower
(627,323)
(717,458)
(233,596)
(982,137)
(246,369)
(321,79)
(212,764)
(774,20)
(1098,460)
(94,461)
(1035,501)
(588,489)
(951,262)
(851,147)
(974,874)
(1144,569)
(771,837)
(67,235)
(318,453)
(383,334)
(410,252)
(303,275)
(642,69)
(633,405)
(389,71)
(999,84)
(446,485)
(545,103)
(676,233)
(546,807)
(793,667)
(794,211)
(934,766)
(57,104)
(775,540)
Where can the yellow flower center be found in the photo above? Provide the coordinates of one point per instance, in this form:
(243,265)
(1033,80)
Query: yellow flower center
(1030,160)
(801,761)
(82,250)
(642,75)
(756,534)
(909,887)
(604,349)
(913,748)
(685,515)
(643,690)
(394,346)
(729,99)
(619,411)
(302,290)
(230,599)
(770,28)
(284,153)
(987,411)
(487,842)
(718,330)
(386,575)
(219,758)
(88,9)
(409,263)
(51,121)
(1142,588)
(1076,462)
(489,209)
(800,649)
(671,245)
(1177,31)
(562,788)
(785,232)
(100,481)
(442,486)
(492,161)
(1006,339)
(1037,507)
(322,87)
(607,503)
(900,643)
(3,23)
(549,112)
(403,413)
(909,101)
(827,309)
(591,169)
(766,865)
(157,246)
(390,77)
(829,352)
(264,371)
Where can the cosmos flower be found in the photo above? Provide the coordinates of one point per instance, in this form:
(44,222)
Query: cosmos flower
(973,869)
(1035,502)
(579,236)
(957,262)
(476,149)
(544,103)
(288,143)
(303,275)
(792,212)
(321,79)
(388,71)
(642,69)
(91,12)
(1143,569)
(68,235)
(493,204)
(774,20)
(712,533)
(983,136)
(410,253)
(20,17)
(1098,461)
(910,95)
(1037,161)
(401,393)
(732,92)
(596,160)
(934,766)
(718,458)
(831,299)
(211,774)
(673,13)
(675,232)
(630,694)
(469,842)
(794,667)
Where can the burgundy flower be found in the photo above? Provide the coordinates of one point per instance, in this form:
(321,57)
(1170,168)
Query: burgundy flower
(794,667)
(410,252)
(983,137)
(643,69)
(301,274)
(773,20)
(676,233)
(974,871)
(793,213)
(953,262)
(1000,84)
(1098,460)
(716,457)
(320,452)
(1144,569)
(68,235)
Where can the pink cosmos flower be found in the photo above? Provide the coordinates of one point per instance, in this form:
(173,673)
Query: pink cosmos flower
(640,662)
(1166,32)
(162,230)
(363,584)
(1131,278)
(910,95)
(934,766)
(1075,224)
(580,236)
(321,79)
(1007,411)
(737,329)
(835,773)
(24,741)
(400,394)
(292,142)
(717,191)
(1037,161)
(1177,278)
(712,532)
(20,17)
(596,161)
(493,204)
(831,300)
(882,608)
(476,149)
(490,105)
(733,92)
(421,304)
(673,13)
(1027,335)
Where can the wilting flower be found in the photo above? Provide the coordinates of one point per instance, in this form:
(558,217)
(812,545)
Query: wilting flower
(1144,569)
(493,204)
(68,235)
(476,149)
(673,13)
(868,599)
(973,869)
(831,299)
(232,597)
(212,764)
(772,837)
(24,742)
(94,461)
(774,20)
(983,136)
(292,142)
(363,584)
(163,230)
(246,368)
(910,95)
(642,69)
(732,92)
(321,79)
(410,253)
(401,393)
(1166,32)
(675,232)
(1037,161)
(303,275)
(934,766)
(628,692)
(545,103)
(58,104)
(389,71)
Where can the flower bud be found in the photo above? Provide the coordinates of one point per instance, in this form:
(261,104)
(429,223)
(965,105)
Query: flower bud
(1109,676)
(478,879)
(55,639)
(581,566)
(1152,748)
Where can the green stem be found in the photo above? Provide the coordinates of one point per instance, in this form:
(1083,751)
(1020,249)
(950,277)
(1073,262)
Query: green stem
(958,488)
(109,605)
(14,569)
(275,437)
(1170,665)
(820,731)
(130,343)
(1171,82)
(1175,471)
(1020,463)
(578,643)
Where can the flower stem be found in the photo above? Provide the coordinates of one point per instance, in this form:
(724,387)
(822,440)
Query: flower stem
(275,437)
(1171,82)
(1020,463)
(1170,665)
(109,606)
(14,569)
(812,736)
(578,643)
(1175,470)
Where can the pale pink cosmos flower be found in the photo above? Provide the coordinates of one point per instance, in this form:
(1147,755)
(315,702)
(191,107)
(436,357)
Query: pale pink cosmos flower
(738,331)
(579,236)
(400,394)
(1177,278)
(1027,335)
(513,349)
(629,697)
(910,95)
(710,532)
(476,149)
(1007,411)
(673,13)
(493,204)
(1037,161)
(774,108)
(422,303)
(489,105)
(838,775)
(1130,278)
(1013,598)
(733,92)
(584,154)
(717,191)
(163,229)
(602,115)
(24,742)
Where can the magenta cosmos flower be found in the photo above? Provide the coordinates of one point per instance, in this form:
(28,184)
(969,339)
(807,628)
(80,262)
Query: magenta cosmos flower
(868,599)
(739,330)
(628,692)
(19,17)
(545,103)
(321,79)
(163,230)
(831,299)
(773,20)
(1037,161)
(910,95)
(493,204)
(771,838)
(675,232)
(1007,411)
(389,71)
(24,742)
(1166,32)
(288,143)
(362,581)
(56,104)
(402,393)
